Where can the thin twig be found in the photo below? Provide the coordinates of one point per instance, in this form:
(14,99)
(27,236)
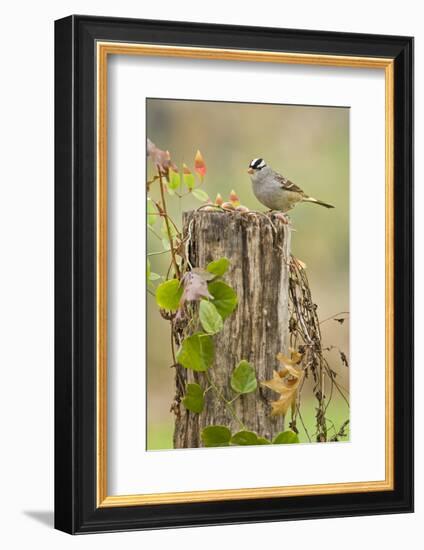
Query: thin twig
(303,423)
(333,316)
(305,322)
(174,359)
(163,214)
(187,245)
(168,228)
(157,253)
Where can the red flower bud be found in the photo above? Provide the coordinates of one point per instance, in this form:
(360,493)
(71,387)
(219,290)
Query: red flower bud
(199,164)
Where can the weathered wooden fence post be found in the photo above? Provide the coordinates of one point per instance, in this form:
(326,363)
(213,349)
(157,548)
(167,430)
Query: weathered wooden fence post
(259,252)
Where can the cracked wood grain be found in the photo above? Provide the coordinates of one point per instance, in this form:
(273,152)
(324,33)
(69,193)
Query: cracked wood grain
(259,251)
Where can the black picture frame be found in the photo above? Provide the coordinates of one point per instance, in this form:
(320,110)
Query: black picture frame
(76,510)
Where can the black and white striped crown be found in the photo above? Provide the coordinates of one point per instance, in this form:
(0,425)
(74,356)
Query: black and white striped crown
(257,164)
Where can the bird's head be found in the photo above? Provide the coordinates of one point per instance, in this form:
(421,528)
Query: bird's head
(255,166)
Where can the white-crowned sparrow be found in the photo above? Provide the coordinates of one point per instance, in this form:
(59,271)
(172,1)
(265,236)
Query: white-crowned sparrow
(274,190)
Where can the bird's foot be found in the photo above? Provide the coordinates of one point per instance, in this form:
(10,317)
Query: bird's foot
(280,216)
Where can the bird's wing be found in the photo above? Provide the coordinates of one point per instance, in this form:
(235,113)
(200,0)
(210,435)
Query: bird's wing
(289,185)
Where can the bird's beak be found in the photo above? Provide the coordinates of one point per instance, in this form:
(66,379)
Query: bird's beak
(250,171)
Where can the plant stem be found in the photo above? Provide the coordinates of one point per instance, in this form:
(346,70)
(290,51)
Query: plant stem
(162,214)
(333,316)
(303,424)
(168,228)
(234,398)
(157,253)
(174,359)
(227,403)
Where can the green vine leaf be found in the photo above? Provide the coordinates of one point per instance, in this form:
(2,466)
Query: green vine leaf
(194,400)
(286,437)
(188,177)
(200,195)
(218,267)
(216,436)
(174,180)
(196,352)
(243,379)
(263,441)
(168,295)
(151,213)
(210,318)
(245,438)
(225,299)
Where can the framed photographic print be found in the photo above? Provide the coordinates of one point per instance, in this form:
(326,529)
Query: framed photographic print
(234,274)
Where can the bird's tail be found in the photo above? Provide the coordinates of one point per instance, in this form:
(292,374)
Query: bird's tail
(315,201)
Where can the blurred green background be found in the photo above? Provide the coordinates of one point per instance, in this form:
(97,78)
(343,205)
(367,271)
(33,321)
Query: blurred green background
(307,144)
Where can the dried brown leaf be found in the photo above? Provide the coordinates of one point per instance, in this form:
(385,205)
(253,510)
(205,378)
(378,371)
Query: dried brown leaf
(294,359)
(160,158)
(195,284)
(286,382)
(344,359)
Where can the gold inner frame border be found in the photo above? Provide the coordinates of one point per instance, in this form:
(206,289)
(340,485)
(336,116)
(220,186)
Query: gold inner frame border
(103,50)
